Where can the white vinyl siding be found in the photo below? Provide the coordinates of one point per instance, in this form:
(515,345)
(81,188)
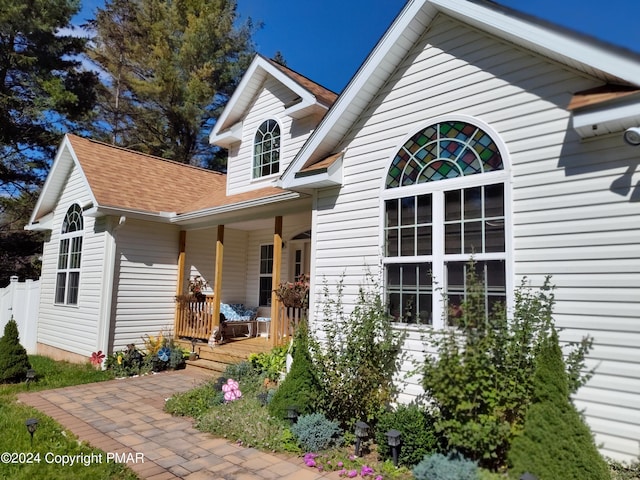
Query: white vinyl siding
(147,266)
(269,104)
(571,206)
(73,328)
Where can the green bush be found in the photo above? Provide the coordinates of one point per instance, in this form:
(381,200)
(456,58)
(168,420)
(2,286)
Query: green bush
(196,402)
(418,437)
(14,361)
(315,432)
(358,357)
(556,443)
(300,388)
(270,364)
(481,380)
(452,467)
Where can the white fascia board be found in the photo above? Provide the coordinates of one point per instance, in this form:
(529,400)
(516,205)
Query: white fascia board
(228,137)
(354,87)
(331,177)
(44,224)
(209,212)
(611,61)
(65,159)
(161,217)
(260,67)
(606,118)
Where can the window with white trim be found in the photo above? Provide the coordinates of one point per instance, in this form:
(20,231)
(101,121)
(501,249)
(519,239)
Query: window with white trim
(266,149)
(266,275)
(69,257)
(444,204)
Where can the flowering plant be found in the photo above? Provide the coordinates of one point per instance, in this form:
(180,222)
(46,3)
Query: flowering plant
(231,390)
(197,284)
(97,358)
(294,294)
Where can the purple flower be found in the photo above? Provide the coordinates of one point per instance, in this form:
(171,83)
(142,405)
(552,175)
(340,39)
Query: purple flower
(379,477)
(340,464)
(352,473)
(352,457)
(310,462)
(366,471)
(342,472)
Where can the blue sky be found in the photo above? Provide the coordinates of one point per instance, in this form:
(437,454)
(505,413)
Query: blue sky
(327,40)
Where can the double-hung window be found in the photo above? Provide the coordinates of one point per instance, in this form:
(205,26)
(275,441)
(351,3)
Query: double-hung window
(444,204)
(266,274)
(69,257)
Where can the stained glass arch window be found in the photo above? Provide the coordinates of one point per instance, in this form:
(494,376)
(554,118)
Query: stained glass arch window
(441,151)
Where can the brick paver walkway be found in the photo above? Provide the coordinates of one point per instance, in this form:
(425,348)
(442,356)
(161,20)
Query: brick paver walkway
(126,416)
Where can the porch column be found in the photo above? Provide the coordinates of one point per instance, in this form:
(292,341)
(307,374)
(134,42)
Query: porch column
(275,280)
(217,286)
(182,247)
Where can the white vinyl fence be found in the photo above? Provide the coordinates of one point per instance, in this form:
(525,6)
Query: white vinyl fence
(21,301)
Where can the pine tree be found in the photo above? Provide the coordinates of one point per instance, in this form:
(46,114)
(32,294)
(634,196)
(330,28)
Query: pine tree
(172,66)
(555,443)
(14,361)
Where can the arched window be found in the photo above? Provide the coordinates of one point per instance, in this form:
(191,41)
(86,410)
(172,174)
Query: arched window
(69,256)
(444,204)
(266,149)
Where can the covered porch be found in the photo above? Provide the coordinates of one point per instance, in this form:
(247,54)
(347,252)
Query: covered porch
(242,262)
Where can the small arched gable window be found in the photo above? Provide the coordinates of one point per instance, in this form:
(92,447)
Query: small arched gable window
(434,226)
(69,257)
(266,149)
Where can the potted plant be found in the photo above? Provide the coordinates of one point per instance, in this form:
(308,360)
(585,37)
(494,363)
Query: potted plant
(196,286)
(294,294)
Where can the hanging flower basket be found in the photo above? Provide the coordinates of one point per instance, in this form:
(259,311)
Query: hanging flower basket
(294,294)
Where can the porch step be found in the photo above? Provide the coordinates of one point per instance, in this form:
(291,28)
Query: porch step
(208,365)
(217,359)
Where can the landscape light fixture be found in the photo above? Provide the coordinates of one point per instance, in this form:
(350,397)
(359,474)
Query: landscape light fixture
(31,376)
(632,136)
(393,440)
(362,431)
(31,424)
(292,414)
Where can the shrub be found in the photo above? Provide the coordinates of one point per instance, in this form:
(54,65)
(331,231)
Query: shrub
(440,467)
(14,361)
(301,387)
(239,371)
(270,364)
(315,432)
(418,437)
(481,380)
(196,402)
(359,356)
(556,443)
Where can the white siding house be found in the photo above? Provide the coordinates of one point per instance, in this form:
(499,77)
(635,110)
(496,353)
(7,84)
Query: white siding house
(469,131)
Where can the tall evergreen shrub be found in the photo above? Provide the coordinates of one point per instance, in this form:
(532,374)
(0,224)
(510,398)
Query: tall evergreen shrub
(480,383)
(14,361)
(556,443)
(301,387)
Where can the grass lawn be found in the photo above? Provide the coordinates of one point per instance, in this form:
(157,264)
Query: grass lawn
(51,444)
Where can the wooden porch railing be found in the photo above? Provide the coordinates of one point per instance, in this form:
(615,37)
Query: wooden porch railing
(194,318)
(287,323)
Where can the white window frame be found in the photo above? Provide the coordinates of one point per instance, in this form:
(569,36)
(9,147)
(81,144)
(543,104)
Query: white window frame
(69,259)
(437,189)
(257,163)
(265,275)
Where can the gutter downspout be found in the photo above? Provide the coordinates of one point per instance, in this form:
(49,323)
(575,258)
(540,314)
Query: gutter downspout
(104,323)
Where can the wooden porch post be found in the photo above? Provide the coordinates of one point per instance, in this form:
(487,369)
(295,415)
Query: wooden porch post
(182,246)
(275,280)
(217,286)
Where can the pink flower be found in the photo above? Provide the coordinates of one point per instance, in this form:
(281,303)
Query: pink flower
(365,471)
(342,472)
(352,473)
(340,464)
(97,357)
(310,462)
(379,477)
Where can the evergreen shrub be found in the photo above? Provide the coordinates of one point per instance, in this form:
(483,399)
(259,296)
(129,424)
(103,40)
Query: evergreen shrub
(480,382)
(555,443)
(441,467)
(418,436)
(315,432)
(300,388)
(14,361)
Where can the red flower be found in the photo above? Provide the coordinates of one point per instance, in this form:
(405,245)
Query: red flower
(97,357)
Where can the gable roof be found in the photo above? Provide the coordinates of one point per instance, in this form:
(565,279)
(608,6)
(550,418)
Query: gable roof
(310,97)
(122,181)
(611,64)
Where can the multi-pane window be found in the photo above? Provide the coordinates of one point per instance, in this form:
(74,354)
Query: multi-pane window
(266,272)
(266,149)
(69,257)
(444,204)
